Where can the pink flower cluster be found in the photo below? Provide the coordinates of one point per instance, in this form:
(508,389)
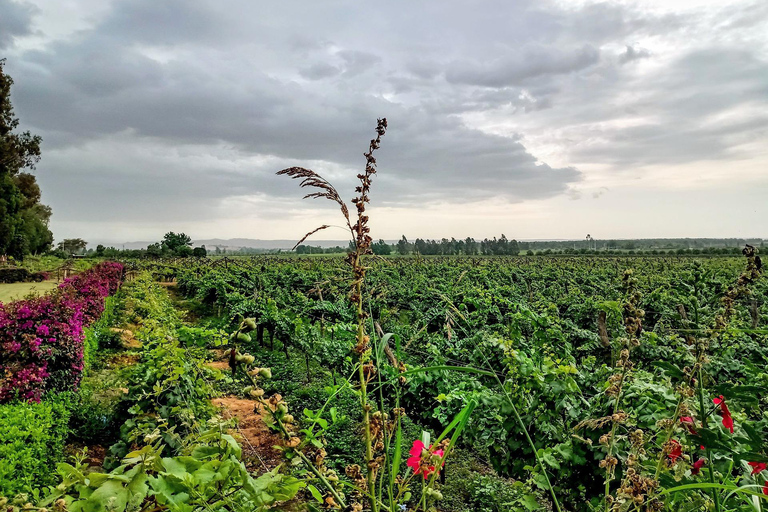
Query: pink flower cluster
(41,339)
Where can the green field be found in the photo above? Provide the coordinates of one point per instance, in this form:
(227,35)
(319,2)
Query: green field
(16,291)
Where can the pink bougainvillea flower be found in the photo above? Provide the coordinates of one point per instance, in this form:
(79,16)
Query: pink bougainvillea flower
(675,452)
(415,453)
(419,459)
(727,418)
(41,339)
(688,423)
(697,466)
(757,467)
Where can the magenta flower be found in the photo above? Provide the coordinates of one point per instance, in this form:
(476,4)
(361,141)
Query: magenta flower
(41,339)
(420,459)
(675,452)
(727,418)
(697,466)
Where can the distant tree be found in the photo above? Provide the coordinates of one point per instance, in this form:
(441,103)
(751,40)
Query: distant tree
(175,241)
(199,252)
(72,245)
(184,251)
(100,250)
(402,246)
(155,250)
(381,248)
(470,246)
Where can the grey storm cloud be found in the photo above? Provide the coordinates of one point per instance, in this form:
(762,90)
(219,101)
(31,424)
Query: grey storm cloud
(681,126)
(521,65)
(183,104)
(631,53)
(15,21)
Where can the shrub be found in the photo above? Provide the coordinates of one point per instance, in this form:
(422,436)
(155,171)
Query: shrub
(14,275)
(42,339)
(94,416)
(31,443)
(472,486)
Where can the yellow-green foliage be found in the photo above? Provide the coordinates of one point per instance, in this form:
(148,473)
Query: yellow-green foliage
(32,439)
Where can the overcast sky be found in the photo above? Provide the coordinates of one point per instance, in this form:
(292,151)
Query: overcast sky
(532,118)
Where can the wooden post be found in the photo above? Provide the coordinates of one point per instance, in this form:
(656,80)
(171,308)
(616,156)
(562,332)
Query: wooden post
(602,329)
(754,313)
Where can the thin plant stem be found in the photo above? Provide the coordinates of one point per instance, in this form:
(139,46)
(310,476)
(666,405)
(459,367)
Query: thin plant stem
(702,412)
(370,475)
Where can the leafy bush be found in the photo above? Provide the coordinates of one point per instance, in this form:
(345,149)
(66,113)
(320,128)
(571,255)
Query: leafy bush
(209,477)
(168,390)
(94,416)
(20,275)
(32,439)
(42,339)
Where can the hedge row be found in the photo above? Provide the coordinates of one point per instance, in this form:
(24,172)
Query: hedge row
(20,275)
(41,339)
(32,440)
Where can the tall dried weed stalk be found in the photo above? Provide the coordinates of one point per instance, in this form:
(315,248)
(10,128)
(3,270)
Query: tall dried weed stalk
(373,433)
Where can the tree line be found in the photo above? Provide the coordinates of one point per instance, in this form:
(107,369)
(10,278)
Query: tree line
(23,218)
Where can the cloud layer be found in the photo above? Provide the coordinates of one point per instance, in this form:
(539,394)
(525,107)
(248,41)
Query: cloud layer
(179,110)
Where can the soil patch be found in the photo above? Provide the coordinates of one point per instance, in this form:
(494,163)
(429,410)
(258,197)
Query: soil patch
(94,457)
(129,340)
(255,438)
(220,354)
(121,360)
(218,365)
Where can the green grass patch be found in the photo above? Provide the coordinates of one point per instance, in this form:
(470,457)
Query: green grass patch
(15,291)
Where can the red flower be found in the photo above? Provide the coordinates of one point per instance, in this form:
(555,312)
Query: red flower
(697,466)
(757,467)
(419,460)
(765,489)
(688,423)
(727,418)
(675,452)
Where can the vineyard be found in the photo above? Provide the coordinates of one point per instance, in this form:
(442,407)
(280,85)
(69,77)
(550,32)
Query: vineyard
(491,384)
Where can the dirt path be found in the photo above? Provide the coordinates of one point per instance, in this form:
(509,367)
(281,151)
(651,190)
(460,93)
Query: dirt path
(255,438)
(129,341)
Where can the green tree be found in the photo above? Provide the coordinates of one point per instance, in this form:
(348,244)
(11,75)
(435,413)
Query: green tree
(72,245)
(403,247)
(155,250)
(184,251)
(34,228)
(381,248)
(17,151)
(175,241)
